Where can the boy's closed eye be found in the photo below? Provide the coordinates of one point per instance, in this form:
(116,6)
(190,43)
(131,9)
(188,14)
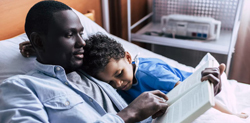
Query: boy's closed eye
(119,74)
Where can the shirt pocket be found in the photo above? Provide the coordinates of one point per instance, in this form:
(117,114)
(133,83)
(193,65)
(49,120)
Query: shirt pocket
(63,102)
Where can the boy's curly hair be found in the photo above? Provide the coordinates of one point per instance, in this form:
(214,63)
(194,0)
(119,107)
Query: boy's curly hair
(99,50)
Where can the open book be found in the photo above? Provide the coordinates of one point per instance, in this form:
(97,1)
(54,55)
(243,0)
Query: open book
(190,99)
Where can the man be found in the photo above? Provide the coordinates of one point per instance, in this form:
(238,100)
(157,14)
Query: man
(50,94)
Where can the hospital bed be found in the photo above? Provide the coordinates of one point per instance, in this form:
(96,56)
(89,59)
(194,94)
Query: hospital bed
(235,95)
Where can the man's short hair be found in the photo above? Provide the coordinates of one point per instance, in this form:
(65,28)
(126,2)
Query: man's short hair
(40,15)
(98,51)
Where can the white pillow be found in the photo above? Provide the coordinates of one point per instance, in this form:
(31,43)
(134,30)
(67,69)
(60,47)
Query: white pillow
(13,63)
(90,27)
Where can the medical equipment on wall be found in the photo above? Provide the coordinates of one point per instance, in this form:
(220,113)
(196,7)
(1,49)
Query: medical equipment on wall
(186,26)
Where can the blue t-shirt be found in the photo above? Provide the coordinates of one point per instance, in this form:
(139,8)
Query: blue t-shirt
(153,74)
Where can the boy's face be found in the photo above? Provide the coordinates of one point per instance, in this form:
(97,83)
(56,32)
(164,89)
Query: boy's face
(63,43)
(119,74)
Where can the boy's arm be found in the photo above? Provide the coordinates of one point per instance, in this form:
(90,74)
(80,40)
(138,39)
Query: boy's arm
(177,83)
(221,108)
(160,76)
(158,79)
(26,49)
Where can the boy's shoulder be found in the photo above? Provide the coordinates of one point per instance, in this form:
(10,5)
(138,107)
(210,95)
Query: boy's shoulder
(148,64)
(152,65)
(144,60)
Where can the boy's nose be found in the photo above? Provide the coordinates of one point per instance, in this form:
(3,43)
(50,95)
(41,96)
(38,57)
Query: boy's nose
(118,83)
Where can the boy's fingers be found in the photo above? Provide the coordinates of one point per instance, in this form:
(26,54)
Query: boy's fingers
(24,44)
(211,78)
(222,68)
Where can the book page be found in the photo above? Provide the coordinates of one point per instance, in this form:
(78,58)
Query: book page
(190,106)
(188,83)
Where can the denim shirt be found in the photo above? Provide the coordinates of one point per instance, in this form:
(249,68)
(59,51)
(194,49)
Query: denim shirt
(45,95)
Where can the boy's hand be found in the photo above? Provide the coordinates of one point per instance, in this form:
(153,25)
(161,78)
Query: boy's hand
(213,75)
(26,49)
(152,103)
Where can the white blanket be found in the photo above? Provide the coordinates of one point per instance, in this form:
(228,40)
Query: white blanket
(234,96)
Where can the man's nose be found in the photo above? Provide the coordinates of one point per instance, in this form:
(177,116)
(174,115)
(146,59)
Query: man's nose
(80,42)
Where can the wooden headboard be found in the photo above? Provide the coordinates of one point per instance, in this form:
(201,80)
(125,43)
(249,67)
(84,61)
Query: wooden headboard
(13,13)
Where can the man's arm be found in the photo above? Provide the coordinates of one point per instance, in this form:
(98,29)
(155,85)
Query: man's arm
(213,75)
(18,104)
(151,103)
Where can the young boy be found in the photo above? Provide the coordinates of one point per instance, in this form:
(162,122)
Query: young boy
(106,60)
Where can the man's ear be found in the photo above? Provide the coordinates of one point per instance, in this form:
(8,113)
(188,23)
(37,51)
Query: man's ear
(128,57)
(36,41)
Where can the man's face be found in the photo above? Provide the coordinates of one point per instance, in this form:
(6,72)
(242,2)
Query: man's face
(119,74)
(63,43)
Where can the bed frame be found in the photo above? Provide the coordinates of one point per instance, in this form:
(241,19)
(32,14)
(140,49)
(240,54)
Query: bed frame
(13,13)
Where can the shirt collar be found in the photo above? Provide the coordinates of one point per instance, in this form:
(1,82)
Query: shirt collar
(136,62)
(50,70)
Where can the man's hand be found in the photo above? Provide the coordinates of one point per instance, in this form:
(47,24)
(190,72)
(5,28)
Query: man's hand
(26,49)
(213,75)
(152,103)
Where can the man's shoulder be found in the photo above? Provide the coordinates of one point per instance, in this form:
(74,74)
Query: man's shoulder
(24,78)
(17,78)
(12,82)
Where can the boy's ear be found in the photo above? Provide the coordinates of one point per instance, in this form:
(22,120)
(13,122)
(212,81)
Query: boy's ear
(128,57)
(36,41)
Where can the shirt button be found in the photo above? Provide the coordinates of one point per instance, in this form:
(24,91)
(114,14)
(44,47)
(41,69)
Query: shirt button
(57,68)
(66,83)
(90,100)
(67,103)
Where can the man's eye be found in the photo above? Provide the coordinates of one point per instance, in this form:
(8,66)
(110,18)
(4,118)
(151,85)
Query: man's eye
(69,35)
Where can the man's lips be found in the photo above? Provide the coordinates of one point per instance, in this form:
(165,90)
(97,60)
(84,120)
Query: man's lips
(79,54)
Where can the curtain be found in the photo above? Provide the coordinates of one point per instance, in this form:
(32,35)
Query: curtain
(240,69)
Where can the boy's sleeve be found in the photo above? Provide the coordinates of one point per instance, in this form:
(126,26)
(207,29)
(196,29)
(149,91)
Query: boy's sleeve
(158,78)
